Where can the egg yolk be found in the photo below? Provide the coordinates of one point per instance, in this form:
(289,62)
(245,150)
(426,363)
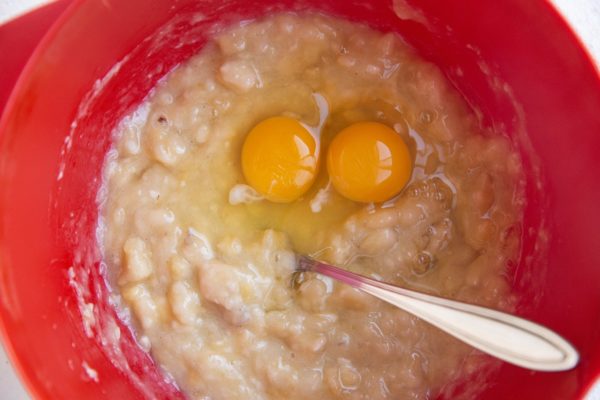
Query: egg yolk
(280,159)
(368,162)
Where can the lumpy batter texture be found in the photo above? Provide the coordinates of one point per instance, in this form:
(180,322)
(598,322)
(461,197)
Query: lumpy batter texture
(206,282)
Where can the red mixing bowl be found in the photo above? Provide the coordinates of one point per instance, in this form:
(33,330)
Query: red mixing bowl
(514,60)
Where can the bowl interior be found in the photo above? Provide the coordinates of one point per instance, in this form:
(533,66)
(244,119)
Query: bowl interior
(516,63)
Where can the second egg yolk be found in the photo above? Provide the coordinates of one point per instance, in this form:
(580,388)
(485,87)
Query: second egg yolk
(368,162)
(280,159)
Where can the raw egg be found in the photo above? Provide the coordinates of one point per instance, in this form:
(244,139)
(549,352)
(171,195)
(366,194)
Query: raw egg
(368,162)
(280,159)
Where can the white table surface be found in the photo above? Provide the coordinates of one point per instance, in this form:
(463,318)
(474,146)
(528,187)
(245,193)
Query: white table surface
(584,16)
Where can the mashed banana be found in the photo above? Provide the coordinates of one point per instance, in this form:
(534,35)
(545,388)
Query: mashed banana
(207,282)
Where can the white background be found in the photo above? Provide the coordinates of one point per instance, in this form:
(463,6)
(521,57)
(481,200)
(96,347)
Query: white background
(584,16)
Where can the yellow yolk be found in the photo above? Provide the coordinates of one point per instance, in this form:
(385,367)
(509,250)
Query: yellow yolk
(368,162)
(280,159)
